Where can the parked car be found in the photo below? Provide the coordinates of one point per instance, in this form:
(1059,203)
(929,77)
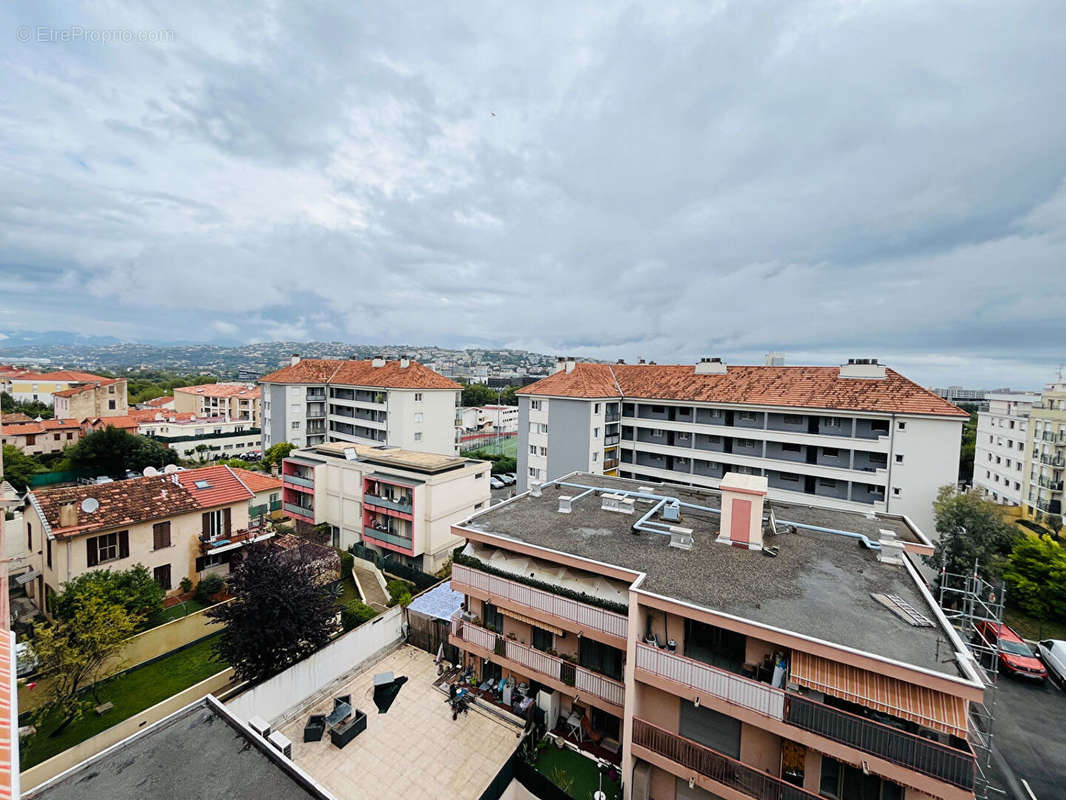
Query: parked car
(496,483)
(507,478)
(25,659)
(1015,656)
(100,479)
(1053,654)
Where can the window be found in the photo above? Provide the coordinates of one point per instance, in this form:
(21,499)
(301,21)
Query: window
(789,447)
(161,535)
(897,492)
(747,416)
(899,458)
(831,422)
(600,657)
(418,397)
(845,782)
(162,577)
(48,545)
(481,475)
(901,426)
(492,618)
(596,408)
(418,417)
(544,451)
(418,436)
(788,476)
(536,405)
(70,436)
(108,547)
(295,425)
(216,524)
(541,639)
(595,456)
(657,433)
(792,419)
(830,452)
(595,433)
(55,436)
(29,537)
(111,405)
(532,449)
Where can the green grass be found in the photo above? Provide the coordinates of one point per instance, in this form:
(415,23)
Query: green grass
(1033,629)
(574,774)
(506,447)
(131,693)
(348,592)
(178,611)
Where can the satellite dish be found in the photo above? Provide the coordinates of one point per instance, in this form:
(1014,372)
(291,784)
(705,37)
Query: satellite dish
(170,469)
(89,505)
(150,472)
(350,454)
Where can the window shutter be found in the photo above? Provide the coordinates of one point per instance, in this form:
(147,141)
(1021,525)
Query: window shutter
(90,551)
(166,534)
(226,517)
(206,532)
(200,563)
(123,544)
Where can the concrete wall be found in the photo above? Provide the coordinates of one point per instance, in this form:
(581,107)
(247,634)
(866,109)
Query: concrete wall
(273,698)
(436,425)
(523,459)
(930,450)
(569,434)
(274,427)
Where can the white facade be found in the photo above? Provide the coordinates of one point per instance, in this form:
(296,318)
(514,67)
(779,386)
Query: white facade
(222,438)
(499,419)
(999,451)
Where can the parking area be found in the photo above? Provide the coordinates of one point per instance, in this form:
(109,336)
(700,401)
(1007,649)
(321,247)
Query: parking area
(1030,733)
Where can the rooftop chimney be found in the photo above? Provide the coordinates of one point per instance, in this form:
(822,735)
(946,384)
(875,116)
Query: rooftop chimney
(68,515)
(405,361)
(534,488)
(742,506)
(294,359)
(621,361)
(560,363)
(891,551)
(866,368)
(775,359)
(377,361)
(640,361)
(569,364)
(710,366)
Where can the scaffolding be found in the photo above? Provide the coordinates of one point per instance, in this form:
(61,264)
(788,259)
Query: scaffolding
(974,607)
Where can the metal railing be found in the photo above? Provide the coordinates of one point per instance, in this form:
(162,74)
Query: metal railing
(237,537)
(610,463)
(717,766)
(936,760)
(389,538)
(728,686)
(582,615)
(301,511)
(581,678)
(296,480)
(384,502)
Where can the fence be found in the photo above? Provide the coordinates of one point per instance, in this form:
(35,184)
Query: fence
(48,478)
(421,580)
(290,689)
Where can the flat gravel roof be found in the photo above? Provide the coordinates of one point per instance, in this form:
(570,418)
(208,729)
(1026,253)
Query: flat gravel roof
(819,585)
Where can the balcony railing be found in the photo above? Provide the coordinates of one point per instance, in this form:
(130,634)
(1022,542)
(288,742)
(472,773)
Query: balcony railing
(581,678)
(610,463)
(582,615)
(390,538)
(712,681)
(696,757)
(237,537)
(611,440)
(300,511)
(936,760)
(384,502)
(296,480)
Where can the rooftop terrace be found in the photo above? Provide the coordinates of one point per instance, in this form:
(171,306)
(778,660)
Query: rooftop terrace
(819,585)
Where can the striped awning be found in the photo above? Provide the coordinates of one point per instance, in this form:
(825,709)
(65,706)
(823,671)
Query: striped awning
(531,621)
(936,710)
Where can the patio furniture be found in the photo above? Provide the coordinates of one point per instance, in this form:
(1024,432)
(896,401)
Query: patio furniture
(341,711)
(341,734)
(383,679)
(573,722)
(315,728)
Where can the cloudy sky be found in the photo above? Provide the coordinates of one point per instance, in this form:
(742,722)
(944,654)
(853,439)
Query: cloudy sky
(664,180)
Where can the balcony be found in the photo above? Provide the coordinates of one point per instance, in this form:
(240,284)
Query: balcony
(610,441)
(610,463)
(208,546)
(386,537)
(316,410)
(722,769)
(296,480)
(316,395)
(580,615)
(304,513)
(936,760)
(583,680)
(384,502)
(709,680)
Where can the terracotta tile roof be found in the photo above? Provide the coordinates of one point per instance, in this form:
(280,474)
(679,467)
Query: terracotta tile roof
(84,387)
(127,422)
(15,416)
(794,387)
(222,390)
(45,425)
(64,375)
(257,481)
(161,401)
(150,414)
(139,500)
(361,373)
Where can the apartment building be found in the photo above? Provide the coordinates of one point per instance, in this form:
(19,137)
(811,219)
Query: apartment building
(200,437)
(1046,450)
(999,451)
(179,524)
(27,385)
(231,401)
(400,503)
(42,437)
(100,398)
(719,645)
(855,437)
(377,402)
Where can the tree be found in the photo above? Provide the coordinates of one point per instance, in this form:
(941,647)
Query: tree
(1036,575)
(275,453)
(967,446)
(31,408)
(278,615)
(134,589)
(18,467)
(72,650)
(972,530)
(478,394)
(112,451)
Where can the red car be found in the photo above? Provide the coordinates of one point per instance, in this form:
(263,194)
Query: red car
(1015,656)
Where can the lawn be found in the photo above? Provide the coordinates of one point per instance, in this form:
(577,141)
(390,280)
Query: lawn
(131,693)
(348,592)
(506,446)
(1033,629)
(177,611)
(574,774)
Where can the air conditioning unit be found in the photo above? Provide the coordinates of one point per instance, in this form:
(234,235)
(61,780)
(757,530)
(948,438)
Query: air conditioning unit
(681,538)
(281,743)
(672,512)
(260,726)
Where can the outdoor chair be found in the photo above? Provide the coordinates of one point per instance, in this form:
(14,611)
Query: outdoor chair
(341,734)
(315,728)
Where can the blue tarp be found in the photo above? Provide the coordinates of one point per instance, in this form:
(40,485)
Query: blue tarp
(440,602)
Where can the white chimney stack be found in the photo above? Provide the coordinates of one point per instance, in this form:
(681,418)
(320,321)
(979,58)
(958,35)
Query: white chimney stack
(294,359)
(865,368)
(560,363)
(710,366)
(743,497)
(775,359)
(405,362)
(377,361)
(570,363)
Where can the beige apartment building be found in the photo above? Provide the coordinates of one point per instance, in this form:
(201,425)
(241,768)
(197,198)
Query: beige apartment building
(181,524)
(231,401)
(105,397)
(30,385)
(41,438)
(716,645)
(399,503)
(1045,449)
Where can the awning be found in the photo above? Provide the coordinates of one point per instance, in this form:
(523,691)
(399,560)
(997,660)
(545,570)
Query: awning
(530,621)
(936,710)
(26,577)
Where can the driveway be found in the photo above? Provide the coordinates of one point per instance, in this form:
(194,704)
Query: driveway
(1030,733)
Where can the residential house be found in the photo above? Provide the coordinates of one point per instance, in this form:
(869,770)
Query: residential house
(230,401)
(101,398)
(41,437)
(397,403)
(180,524)
(30,385)
(266,489)
(398,503)
(858,437)
(715,644)
(199,437)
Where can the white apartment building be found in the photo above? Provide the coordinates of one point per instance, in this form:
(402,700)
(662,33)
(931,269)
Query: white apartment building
(397,502)
(203,438)
(858,437)
(999,450)
(376,402)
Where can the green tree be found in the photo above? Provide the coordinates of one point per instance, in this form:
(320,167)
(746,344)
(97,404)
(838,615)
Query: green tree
(967,446)
(18,467)
(31,408)
(72,651)
(113,451)
(1036,575)
(275,453)
(279,613)
(478,394)
(134,589)
(972,530)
